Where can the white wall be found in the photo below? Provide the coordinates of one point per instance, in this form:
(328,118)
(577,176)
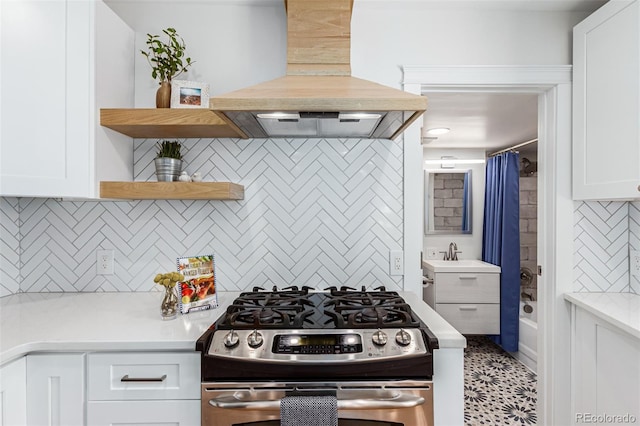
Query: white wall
(244,42)
(386,35)
(469,244)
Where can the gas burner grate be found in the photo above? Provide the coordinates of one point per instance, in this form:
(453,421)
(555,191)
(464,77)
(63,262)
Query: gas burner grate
(297,307)
(289,307)
(265,317)
(349,307)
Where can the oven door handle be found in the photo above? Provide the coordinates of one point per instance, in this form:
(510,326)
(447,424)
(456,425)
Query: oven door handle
(399,401)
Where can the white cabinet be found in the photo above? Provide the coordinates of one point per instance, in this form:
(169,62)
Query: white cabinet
(143,388)
(55,389)
(606,103)
(62,60)
(605,371)
(13,393)
(468,298)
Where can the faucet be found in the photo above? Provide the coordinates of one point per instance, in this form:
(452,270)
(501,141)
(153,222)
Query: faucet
(527,294)
(452,254)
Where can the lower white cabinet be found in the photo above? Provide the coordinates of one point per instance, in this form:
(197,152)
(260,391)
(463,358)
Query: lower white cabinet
(172,412)
(55,389)
(469,301)
(605,372)
(13,393)
(143,388)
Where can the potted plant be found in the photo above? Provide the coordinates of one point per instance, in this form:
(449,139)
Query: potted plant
(167,60)
(168,161)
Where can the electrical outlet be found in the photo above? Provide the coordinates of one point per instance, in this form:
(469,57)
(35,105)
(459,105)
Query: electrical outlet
(396,262)
(432,253)
(634,263)
(104,262)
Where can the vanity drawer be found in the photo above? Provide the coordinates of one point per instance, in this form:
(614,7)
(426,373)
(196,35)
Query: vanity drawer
(470,318)
(471,287)
(143,375)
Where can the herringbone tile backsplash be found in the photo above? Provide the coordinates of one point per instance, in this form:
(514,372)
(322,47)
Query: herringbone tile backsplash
(634,239)
(316,212)
(601,246)
(9,246)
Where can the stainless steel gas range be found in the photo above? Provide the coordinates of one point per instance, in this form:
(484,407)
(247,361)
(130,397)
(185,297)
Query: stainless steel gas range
(365,348)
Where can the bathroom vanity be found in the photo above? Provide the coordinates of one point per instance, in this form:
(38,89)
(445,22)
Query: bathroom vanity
(466,293)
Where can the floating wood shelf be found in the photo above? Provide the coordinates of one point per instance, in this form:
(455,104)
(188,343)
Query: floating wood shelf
(169,123)
(172,190)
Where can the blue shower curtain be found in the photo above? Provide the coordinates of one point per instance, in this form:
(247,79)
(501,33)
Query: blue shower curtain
(501,240)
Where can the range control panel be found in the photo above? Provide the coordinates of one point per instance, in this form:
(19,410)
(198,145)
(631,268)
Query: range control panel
(317,344)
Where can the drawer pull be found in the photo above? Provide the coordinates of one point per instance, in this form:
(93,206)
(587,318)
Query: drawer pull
(468,277)
(126,378)
(468,308)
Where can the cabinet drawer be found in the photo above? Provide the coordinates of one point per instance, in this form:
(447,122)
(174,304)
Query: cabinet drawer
(470,318)
(467,288)
(173,412)
(148,375)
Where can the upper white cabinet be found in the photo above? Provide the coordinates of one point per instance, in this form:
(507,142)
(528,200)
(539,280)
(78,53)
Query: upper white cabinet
(606,104)
(61,61)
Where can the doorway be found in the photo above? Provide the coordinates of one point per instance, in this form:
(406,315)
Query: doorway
(555,208)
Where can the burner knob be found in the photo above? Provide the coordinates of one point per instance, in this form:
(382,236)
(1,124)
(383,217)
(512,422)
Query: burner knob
(255,339)
(379,338)
(231,339)
(403,338)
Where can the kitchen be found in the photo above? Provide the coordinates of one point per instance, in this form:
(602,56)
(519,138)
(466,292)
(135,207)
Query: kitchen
(441,34)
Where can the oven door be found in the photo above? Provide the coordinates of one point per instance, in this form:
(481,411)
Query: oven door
(385,403)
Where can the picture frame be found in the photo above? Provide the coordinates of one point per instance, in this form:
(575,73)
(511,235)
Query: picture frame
(189,94)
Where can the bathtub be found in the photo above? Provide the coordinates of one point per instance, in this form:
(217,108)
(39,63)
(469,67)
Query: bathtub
(528,342)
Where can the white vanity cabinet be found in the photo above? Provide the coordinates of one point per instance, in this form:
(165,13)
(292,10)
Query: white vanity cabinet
(465,293)
(13,393)
(143,388)
(62,60)
(55,389)
(606,103)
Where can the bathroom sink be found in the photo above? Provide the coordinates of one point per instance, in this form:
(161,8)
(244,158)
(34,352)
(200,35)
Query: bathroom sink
(463,265)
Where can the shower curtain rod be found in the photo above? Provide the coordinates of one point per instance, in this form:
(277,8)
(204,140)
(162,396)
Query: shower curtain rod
(511,148)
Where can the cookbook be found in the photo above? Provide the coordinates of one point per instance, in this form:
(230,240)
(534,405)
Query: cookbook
(198,290)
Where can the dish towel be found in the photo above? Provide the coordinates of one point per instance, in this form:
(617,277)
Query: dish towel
(309,411)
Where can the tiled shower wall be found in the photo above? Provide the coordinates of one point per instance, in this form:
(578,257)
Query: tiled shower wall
(529,231)
(316,212)
(603,234)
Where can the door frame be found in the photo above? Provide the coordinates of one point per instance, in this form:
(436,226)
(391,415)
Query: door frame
(555,206)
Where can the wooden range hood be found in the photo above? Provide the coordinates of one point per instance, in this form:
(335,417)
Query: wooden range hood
(318,97)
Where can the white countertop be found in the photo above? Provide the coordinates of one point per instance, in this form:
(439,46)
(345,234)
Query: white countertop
(463,265)
(619,309)
(36,322)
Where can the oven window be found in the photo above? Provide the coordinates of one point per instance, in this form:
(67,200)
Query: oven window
(341,422)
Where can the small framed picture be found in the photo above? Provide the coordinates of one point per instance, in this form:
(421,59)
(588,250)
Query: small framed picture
(189,94)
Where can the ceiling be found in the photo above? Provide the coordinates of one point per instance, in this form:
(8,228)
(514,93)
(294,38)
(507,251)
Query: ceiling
(491,121)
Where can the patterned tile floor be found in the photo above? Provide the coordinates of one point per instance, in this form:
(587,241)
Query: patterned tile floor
(498,389)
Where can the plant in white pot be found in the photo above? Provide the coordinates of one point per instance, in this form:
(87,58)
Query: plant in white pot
(168,161)
(167,60)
